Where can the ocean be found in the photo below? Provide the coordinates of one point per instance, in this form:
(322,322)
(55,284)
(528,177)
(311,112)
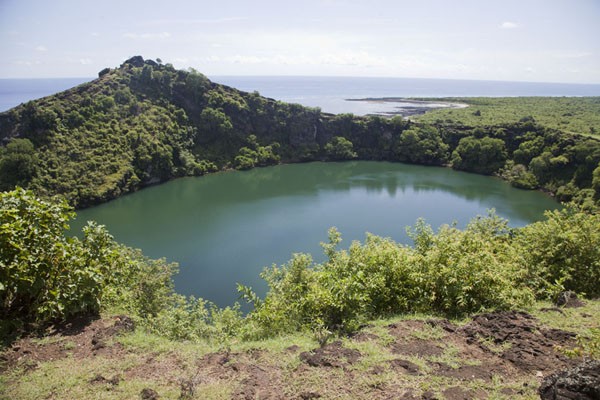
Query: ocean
(328,93)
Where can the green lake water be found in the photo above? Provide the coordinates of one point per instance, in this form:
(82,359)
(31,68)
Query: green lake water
(225,228)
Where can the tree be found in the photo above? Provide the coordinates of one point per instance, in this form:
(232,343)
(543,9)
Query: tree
(596,182)
(421,146)
(519,176)
(214,123)
(18,164)
(484,156)
(340,148)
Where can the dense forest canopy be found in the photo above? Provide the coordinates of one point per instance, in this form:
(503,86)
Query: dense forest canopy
(577,115)
(146,122)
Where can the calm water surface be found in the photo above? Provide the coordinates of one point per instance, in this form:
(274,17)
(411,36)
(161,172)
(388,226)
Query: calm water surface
(224,228)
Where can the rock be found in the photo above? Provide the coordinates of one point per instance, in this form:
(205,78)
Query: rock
(149,394)
(135,61)
(406,366)
(309,395)
(123,323)
(568,299)
(443,324)
(99,379)
(152,63)
(429,395)
(578,383)
(103,72)
(331,355)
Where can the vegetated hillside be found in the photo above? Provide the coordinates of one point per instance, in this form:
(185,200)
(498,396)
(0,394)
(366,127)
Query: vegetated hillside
(145,122)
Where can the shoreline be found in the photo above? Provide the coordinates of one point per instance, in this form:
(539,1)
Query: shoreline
(409,107)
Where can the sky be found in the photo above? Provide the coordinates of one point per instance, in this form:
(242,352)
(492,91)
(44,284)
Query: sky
(514,40)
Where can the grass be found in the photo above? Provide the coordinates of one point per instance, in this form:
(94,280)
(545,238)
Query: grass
(578,320)
(149,361)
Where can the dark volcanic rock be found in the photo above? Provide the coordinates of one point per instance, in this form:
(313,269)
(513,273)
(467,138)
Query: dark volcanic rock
(331,355)
(568,299)
(149,394)
(405,366)
(136,61)
(579,383)
(532,348)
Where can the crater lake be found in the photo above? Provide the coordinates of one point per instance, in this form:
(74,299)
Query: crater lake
(226,227)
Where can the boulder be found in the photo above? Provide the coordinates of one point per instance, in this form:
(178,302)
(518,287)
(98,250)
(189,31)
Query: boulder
(135,61)
(578,383)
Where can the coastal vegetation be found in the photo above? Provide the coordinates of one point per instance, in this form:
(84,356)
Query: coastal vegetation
(577,115)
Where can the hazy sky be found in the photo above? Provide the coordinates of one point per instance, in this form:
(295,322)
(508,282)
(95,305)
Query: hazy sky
(525,40)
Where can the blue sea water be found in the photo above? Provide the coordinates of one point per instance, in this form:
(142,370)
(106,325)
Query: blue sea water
(16,91)
(328,93)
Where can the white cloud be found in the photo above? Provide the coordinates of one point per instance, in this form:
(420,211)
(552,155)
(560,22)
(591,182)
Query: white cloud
(147,36)
(579,54)
(41,48)
(340,58)
(192,21)
(27,63)
(85,61)
(508,25)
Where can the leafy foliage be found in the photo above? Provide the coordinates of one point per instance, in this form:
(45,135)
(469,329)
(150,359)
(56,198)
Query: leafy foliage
(484,156)
(421,145)
(519,176)
(256,155)
(340,148)
(451,273)
(46,276)
(578,115)
(18,163)
(563,252)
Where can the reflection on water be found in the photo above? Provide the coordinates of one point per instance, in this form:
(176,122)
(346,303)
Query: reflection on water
(224,228)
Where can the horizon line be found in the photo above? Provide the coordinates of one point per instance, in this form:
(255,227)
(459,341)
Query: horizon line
(211,76)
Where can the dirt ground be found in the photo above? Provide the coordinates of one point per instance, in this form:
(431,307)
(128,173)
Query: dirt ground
(497,355)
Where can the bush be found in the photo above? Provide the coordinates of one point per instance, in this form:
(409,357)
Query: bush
(46,276)
(563,252)
(462,272)
(452,273)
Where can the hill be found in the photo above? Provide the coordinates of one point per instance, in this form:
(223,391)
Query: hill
(144,123)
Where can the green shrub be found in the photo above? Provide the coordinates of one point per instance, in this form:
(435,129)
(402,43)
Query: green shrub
(452,273)
(563,252)
(340,148)
(462,272)
(44,275)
